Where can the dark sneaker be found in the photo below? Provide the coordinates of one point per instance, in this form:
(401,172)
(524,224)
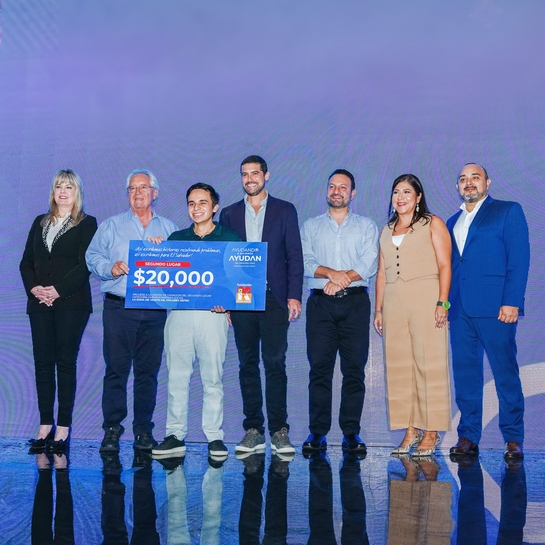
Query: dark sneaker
(110,443)
(144,441)
(280,465)
(217,449)
(215,462)
(170,464)
(254,463)
(142,459)
(280,442)
(253,441)
(111,464)
(171,447)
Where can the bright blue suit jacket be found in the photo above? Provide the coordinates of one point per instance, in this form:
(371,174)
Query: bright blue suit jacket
(284,253)
(493,269)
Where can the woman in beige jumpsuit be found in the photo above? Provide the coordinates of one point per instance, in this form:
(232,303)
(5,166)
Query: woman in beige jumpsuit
(412,287)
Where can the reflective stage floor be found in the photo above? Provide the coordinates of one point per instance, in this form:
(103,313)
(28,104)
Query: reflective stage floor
(265,500)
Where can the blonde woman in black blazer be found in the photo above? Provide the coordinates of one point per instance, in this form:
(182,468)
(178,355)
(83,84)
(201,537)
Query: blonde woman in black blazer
(56,280)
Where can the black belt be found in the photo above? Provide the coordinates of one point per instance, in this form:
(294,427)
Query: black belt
(341,293)
(113,297)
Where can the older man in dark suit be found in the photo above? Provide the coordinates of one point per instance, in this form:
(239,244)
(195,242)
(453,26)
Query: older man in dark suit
(259,217)
(490,262)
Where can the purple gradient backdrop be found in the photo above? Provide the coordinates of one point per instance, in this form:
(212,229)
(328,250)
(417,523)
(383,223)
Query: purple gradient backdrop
(187,89)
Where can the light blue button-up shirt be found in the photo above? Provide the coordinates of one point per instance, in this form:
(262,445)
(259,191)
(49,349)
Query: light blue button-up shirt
(111,244)
(254,221)
(352,245)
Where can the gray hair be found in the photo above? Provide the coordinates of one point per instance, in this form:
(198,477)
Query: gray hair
(152,179)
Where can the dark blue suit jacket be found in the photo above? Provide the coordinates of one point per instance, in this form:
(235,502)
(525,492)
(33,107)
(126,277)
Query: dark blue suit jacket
(284,252)
(493,269)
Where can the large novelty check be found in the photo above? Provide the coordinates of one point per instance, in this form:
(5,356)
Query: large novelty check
(197,275)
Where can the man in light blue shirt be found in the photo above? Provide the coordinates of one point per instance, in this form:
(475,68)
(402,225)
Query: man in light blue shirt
(132,337)
(340,252)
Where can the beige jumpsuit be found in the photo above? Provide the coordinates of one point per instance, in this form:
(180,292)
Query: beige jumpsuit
(416,354)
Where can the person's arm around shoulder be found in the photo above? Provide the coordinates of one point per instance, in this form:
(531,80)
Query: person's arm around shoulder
(442,246)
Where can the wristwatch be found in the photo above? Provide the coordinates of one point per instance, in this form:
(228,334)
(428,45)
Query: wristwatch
(444,304)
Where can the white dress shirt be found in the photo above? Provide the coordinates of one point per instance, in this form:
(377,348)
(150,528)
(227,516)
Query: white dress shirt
(461,228)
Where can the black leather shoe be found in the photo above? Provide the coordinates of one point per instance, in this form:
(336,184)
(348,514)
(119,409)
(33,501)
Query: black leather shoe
(513,451)
(315,442)
(353,443)
(110,443)
(144,441)
(464,447)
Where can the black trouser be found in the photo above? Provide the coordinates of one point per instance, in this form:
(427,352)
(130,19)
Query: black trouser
(132,337)
(276,512)
(56,336)
(269,327)
(337,324)
(42,511)
(320,503)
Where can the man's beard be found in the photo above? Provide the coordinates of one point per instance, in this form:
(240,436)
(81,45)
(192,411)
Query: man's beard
(475,197)
(343,203)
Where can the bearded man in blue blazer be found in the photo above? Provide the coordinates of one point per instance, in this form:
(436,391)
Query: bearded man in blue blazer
(259,217)
(490,262)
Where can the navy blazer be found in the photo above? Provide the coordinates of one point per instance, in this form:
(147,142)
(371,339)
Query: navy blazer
(64,267)
(284,252)
(493,268)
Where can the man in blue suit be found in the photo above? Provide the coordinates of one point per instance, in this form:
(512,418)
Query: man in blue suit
(490,262)
(259,217)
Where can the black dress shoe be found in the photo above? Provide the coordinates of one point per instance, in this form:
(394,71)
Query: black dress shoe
(464,447)
(353,443)
(37,446)
(315,442)
(144,441)
(513,451)
(110,443)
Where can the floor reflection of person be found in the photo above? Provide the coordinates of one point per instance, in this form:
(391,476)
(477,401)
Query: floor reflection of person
(420,505)
(471,510)
(56,280)
(276,509)
(212,490)
(114,528)
(320,502)
(46,529)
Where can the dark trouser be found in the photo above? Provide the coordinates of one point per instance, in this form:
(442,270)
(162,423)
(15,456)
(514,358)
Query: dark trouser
(131,337)
(271,328)
(320,504)
(470,338)
(56,336)
(276,512)
(42,511)
(337,324)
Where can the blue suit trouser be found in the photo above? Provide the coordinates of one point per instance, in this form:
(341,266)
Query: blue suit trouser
(470,338)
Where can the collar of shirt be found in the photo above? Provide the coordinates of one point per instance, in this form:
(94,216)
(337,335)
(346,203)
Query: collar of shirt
(254,220)
(461,228)
(251,208)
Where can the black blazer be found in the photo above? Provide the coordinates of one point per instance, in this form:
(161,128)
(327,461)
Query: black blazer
(284,252)
(64,267)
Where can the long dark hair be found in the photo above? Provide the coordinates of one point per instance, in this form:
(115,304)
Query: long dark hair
(422,212)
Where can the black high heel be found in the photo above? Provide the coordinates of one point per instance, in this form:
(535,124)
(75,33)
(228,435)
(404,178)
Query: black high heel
(60,446)
(37,446)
